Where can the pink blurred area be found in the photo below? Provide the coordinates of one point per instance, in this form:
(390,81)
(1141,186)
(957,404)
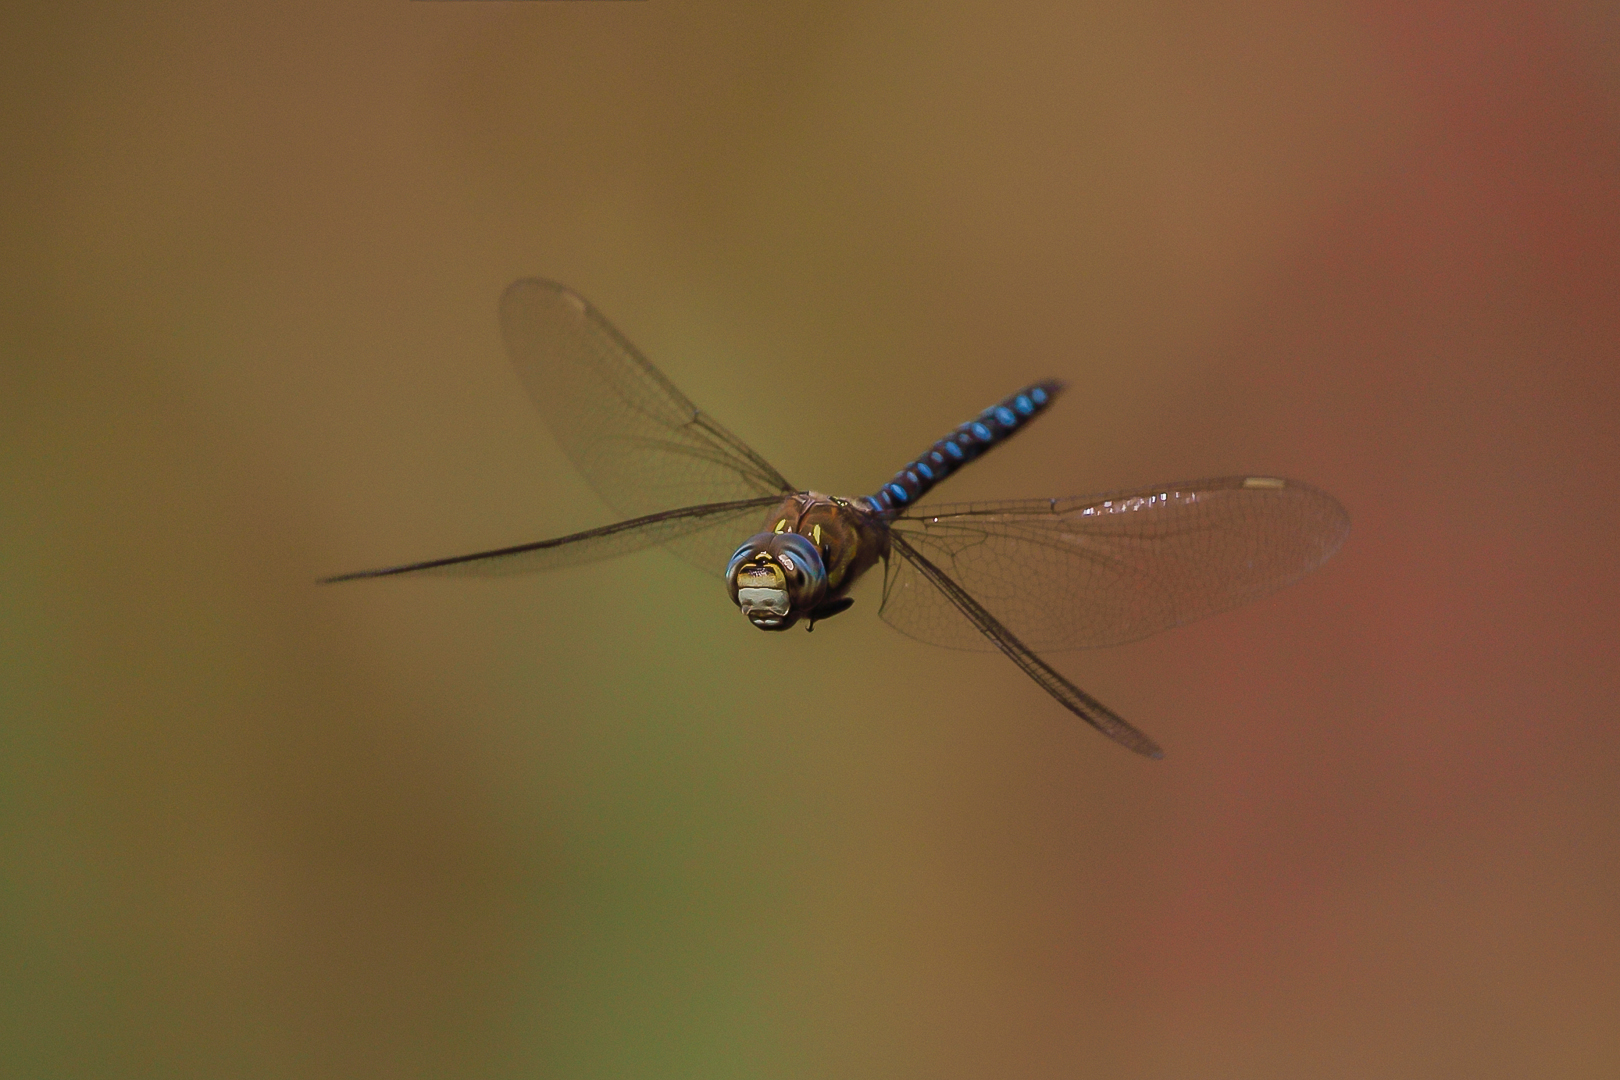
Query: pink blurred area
(591,824)
(1422,861)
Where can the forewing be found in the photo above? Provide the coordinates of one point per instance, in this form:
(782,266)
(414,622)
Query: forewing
(1105,569)
(636,439)
(715,526)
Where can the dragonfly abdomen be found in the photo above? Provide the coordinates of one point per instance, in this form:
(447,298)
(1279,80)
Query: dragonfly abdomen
(990,428)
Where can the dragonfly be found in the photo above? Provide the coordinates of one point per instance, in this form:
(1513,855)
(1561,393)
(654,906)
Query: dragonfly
(1022,576)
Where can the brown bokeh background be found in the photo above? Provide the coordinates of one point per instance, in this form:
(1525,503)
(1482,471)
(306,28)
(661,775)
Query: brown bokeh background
(593,825)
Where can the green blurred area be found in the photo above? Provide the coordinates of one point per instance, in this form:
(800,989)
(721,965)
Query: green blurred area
(591,824)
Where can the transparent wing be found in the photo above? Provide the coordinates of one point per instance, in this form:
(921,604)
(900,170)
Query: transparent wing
(636,439)
(991,630)
(1104,569)
(721,522)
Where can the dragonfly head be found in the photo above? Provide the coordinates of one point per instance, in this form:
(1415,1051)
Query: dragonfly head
(776,578)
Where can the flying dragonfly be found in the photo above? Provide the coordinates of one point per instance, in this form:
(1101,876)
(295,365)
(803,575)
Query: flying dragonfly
(1023,576)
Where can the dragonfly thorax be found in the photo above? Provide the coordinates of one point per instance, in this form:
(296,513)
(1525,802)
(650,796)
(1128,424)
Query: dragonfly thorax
(777,578)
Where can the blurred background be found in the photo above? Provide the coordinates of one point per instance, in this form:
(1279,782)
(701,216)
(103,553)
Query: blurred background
(592,824)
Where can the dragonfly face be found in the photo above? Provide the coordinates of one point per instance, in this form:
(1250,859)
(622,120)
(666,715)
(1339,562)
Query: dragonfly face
(776,579)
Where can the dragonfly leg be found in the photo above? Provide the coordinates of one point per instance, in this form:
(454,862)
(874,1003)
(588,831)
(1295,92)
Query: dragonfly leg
(829,609)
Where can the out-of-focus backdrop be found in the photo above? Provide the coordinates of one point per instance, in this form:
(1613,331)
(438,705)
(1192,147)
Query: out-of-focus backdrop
(594,825)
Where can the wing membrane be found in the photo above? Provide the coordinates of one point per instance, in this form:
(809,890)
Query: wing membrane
(1105,569)
(722,520)
(637,440)
(1068,695)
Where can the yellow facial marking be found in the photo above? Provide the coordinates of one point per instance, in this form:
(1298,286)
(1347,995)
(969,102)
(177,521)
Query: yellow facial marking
(815,534)
(780,525)
(762,576)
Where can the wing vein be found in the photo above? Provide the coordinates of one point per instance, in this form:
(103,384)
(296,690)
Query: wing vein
(1067,694)
(588,546)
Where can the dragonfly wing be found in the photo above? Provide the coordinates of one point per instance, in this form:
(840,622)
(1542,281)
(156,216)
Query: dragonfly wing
(639,442)
(991,630)
(719,521)
(1105,569)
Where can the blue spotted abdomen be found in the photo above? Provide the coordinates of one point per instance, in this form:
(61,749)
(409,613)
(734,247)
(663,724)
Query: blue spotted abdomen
(990,428)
